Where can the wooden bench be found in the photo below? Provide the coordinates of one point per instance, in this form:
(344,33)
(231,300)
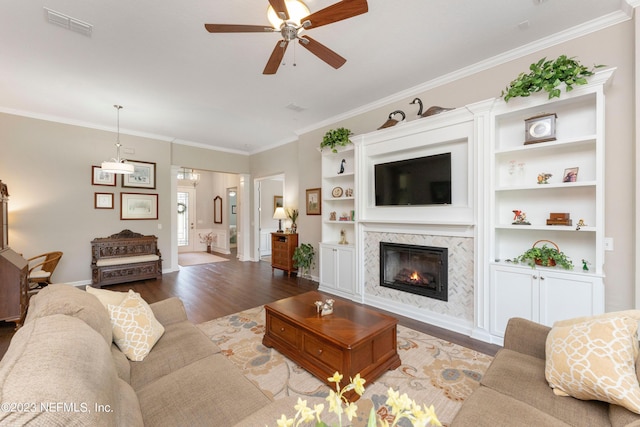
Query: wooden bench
(124,257)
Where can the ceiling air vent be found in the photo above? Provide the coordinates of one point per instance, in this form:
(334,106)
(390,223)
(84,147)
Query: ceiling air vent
(65,21)
(295,107)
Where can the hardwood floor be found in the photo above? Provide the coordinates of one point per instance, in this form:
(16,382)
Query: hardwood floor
(214,290)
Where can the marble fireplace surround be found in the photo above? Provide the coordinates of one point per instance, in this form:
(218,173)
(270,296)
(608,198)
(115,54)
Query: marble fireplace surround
(457,313)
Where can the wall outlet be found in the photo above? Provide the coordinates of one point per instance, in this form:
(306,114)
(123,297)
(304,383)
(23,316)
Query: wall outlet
(159,226)
(608,243)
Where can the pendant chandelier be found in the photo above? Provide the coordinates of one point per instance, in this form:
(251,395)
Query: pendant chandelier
(118,165)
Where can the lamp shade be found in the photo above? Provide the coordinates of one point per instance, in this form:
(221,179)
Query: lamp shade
(279,214)
(118,167)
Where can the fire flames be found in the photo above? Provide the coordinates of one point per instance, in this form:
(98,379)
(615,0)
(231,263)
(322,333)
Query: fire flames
(414,277)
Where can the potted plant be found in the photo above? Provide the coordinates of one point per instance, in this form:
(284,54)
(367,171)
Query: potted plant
(546,256)
(335,138)
(293,214)
(303,258)
(548,75)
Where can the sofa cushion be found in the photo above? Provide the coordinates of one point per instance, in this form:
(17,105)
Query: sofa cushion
(135,329)
(182,344)
(595,358)
(69,300)
(62,362)
(123,368)
(622,417)
(107,297)
(521,377)
(489,408)
(210,391)
(107,262)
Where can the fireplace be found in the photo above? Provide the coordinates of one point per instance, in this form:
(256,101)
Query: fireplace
(420,270)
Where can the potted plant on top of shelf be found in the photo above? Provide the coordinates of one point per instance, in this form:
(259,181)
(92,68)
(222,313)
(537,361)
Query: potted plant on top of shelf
(548,75)
(335,138)
(303,258)
(545,256)
(293,214)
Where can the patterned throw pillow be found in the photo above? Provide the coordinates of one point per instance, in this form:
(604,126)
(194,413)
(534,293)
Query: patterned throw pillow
(135,328)
(595,359)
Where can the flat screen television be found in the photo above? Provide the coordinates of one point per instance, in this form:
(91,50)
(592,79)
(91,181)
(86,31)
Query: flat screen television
(420,181)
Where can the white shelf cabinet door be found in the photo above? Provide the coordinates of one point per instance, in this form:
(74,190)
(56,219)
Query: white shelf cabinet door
(337,268)
(564,296)
(515,294)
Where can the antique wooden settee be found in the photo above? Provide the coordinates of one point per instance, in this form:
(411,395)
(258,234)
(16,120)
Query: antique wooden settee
(124,257)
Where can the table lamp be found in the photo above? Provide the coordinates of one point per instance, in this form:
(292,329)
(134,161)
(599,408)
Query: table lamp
(279,214)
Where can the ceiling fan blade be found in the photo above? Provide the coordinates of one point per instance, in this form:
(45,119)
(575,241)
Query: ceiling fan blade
(232,28)
(280,8)
(322,52)
(336,12)
(276,57)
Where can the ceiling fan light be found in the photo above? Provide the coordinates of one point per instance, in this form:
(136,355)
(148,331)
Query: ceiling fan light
(297,10)
(118,167)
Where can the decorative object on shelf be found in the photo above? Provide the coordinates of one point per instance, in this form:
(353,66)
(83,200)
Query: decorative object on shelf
(512,167)
(391,121)
(293,214)
(398,406)
(103,201)
(279,214)
(353,215)
(208,239)
(431,110)
(345,217)
(543,178)
(303,258)
(580,225)
(217,210)
(585,265)
(343,237)
(143,176)
(336,192)
(332,216)
(324,308)
(335,138)
(570,175)
(348,192)
(118,165)
(545,256)
(548,75)
(540,128)
(519,218)
(559,218)
(343,163)
(314,203)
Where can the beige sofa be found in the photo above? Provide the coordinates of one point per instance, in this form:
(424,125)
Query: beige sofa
(514,391)
(62,369)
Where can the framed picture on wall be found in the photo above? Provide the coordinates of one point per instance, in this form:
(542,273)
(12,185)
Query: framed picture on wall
(278,202)
(103,201)
(143,176)
(99,177)
(138,206)
(314,202)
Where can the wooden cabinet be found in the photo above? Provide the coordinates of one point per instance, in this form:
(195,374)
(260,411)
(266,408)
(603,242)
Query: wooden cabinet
(4,222)
(13,286)
(282,247)
(542,295)
(337,269)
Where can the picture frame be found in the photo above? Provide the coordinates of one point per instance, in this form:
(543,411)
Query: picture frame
(314,201)
(278,202)
(138,206)
(570,175)
(100,177)
(541,128)
(103,201)
(144,175)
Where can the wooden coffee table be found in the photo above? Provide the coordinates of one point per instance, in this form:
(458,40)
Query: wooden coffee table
(351,340)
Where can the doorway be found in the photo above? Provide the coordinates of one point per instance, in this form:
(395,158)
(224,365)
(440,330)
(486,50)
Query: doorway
(268,192)
(186,219)
(232,202)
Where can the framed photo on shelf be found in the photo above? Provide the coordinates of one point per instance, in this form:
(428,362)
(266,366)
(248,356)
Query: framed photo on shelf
(103,201)
(314,202)
(540,128)
(570,175)
(138,206)
(144,175)
(99,177)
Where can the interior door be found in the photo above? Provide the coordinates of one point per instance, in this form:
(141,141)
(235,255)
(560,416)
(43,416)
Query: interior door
(186,219)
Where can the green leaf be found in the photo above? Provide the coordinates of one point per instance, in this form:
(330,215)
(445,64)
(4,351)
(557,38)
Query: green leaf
(372,418)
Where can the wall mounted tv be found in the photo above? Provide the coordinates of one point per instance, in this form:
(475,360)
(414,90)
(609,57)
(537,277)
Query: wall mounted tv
(420,181)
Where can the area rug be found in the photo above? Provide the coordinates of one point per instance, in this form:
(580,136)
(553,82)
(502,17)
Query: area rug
(194,258)
(433,371)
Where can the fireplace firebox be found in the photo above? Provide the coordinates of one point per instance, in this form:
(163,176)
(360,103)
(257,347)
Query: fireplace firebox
(420,270)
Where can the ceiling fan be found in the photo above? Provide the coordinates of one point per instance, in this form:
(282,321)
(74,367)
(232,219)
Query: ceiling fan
(290,30)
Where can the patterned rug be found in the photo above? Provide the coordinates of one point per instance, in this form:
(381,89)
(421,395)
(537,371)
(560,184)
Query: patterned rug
(433,371)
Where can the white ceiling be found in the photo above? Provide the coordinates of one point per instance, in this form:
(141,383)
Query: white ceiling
(177,82)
